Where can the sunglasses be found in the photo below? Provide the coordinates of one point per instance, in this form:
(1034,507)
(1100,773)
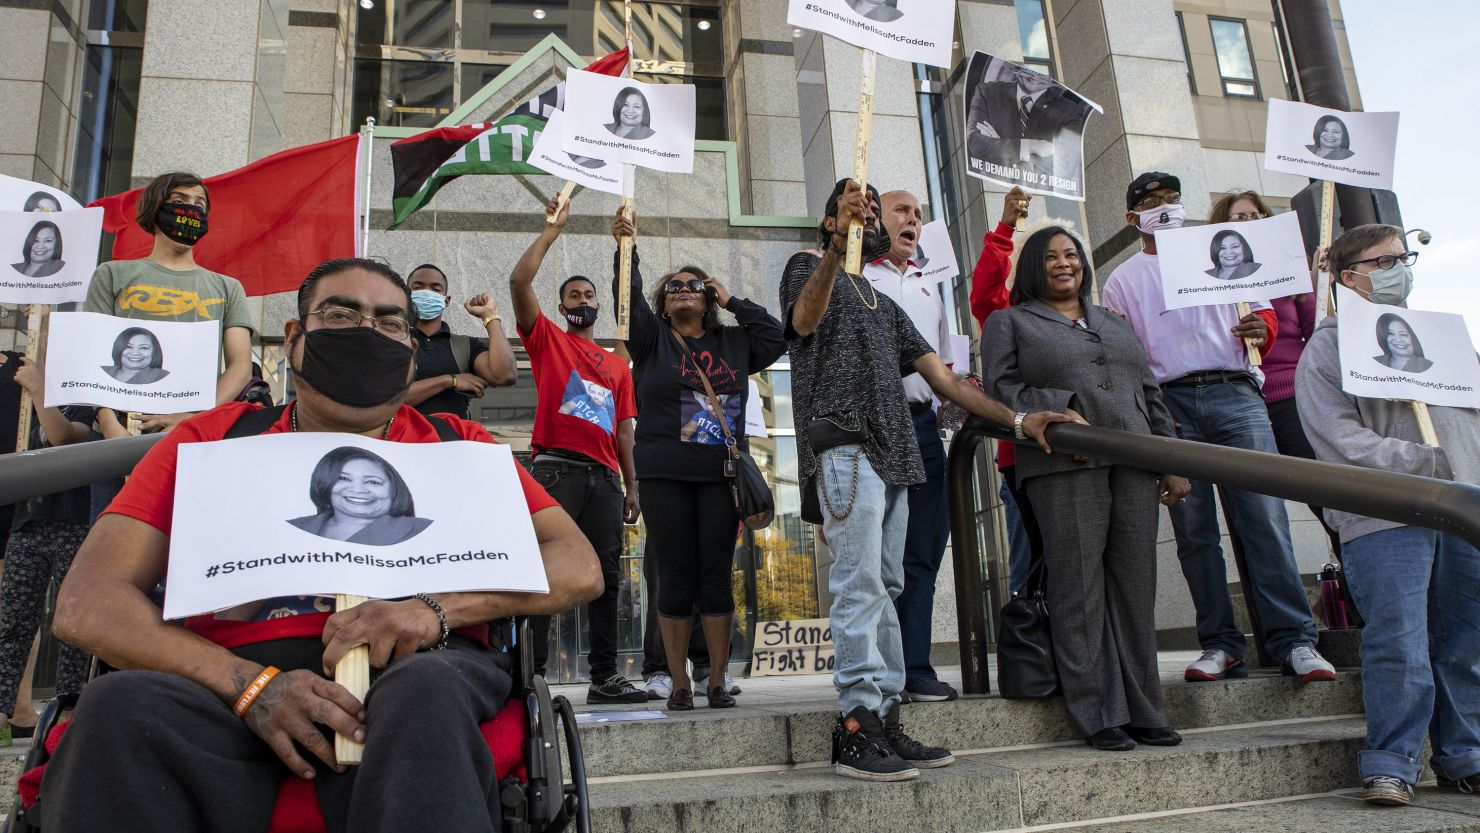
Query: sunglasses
(676,286)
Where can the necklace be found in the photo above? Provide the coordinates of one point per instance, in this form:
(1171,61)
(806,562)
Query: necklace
(293,422)
(874,292)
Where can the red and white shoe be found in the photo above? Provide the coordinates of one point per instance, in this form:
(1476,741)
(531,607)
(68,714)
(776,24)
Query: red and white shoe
(1307,665)
(1215,664)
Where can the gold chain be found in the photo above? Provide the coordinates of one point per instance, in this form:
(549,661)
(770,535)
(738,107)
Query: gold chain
(852,282)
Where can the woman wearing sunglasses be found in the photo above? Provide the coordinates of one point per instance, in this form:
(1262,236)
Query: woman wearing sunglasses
(682,455)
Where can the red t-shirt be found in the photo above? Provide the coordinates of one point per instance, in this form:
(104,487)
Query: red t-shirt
(592,385)
(149,496)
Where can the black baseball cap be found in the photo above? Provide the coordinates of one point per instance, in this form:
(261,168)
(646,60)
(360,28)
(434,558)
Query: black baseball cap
(1148,182)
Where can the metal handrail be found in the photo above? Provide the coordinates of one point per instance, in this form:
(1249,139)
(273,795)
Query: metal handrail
(47,471)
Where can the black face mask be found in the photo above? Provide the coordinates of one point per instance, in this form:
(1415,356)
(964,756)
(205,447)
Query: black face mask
(181,222)
(355,366)
(582,317)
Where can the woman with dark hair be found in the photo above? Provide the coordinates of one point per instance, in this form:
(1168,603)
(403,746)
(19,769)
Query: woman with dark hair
(137,357)
(1401,349)
(682,451)
(1231,255)
(361,499)
(41,254)
(631,118)
(43,202)
(1055,350)
(1331,140)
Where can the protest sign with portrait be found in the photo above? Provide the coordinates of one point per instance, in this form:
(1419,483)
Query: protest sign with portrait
(48,258)
(344,514)
(586,171)
(934,253)
(153,367)
(1024,128)
(916,31)
(25,195)
(1390,352)
(1224,263)
(620,120)
(1349,148)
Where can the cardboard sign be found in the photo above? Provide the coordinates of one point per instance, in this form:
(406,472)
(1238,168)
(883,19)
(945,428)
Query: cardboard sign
(1024,128)
(802,646)
(626,121)
(1224,263)
(1390,352)
(48,258)
(25,195)
(934,253)
(586,171)
(1350,148)
(330,513)
(153,367)
(917,31)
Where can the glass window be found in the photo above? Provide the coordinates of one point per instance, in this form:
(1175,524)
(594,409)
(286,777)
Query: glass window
(1235,62)
(118,15)
(106,118)
(1186,53)
(497,26)
(424,23)
(1033,32)
(402,93)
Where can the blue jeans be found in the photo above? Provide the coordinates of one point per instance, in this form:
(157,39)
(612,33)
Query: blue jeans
(867,543)
(924,547)
(1233,414)
(1419,591)
(1019,550)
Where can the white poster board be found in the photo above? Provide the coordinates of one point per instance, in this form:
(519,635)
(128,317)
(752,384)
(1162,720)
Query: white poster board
(755,415)
(48,258)
(445,518)
(25,195)
(916,31)
(1320,143)
(934,253)
(1223,263)
(625,121)
(153,367)
(1390,352)
(586,171)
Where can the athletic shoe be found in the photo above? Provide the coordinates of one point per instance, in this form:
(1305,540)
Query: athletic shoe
(1386,791)
(731,687)
(1469,784)
(615,689)
(925,757)
(1215,664)
(1309,666)
(659,686)
(930,691)
(860,750)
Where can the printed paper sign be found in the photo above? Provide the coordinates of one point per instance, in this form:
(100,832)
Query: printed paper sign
(961,354)
(1024,128)
(1349,148)
(340,513)
(917,31)
(755,415)
(803,646)
(1223,263)
(1390,352)
(48,258)
(621,120)
(25,195)
(153,367)
(586,171)
(934,253)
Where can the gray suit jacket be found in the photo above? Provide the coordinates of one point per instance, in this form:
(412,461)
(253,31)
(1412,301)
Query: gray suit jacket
(1035,359)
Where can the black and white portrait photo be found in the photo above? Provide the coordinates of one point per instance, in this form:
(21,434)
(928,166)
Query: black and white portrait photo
(1330,139)
(361,499)
(1401,349)
(631,117)
(42,201)
(1232,256)
(1024,128)
(41,254)
(587,161)
(137,358)
(883,11)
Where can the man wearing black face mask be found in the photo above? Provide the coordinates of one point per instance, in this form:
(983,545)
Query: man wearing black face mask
(582,443)
(351,351)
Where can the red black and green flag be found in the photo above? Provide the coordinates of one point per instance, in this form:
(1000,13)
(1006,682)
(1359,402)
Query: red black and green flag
(425,162)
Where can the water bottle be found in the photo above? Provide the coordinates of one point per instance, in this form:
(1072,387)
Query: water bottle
(1333,600)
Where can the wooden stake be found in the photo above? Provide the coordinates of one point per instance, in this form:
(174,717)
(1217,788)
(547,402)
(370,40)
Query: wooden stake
(561,201)
(624,261)
(1328,227)
(133,423)
(352,672)
(35,314)
(1254,358)
(1425,424)
(853,263)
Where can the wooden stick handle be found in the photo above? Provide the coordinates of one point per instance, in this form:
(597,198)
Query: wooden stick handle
(352,672)
(561,201)
(1254,358)
(624,278)
(1425,424)
(34,319)
(133,423)
(853,262)
(1328,227)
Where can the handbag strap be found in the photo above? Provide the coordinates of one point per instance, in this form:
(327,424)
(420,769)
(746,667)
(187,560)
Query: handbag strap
(719,411)
(1037,582)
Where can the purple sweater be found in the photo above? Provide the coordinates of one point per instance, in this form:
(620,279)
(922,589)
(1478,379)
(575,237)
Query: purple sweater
(1297,319)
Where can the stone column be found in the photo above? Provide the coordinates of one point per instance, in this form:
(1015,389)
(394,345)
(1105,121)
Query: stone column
(767,123)
(37,75)
(315,91)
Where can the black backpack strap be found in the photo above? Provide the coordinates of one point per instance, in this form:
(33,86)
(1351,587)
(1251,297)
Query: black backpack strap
(254,422)
(445,432)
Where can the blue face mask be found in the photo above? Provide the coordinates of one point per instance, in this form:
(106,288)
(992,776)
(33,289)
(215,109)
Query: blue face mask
(428,304)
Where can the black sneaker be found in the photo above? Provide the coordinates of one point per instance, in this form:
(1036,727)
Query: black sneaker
(615,689)
(910,749)
(1469,784)
(861,751)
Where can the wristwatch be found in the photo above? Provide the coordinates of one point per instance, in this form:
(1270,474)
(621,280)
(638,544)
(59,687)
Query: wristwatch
(1017,425)
(492,318)
(452,381)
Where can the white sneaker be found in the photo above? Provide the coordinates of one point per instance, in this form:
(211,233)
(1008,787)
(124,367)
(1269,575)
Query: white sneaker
(1215,664)
(731,687)
(1309,666)
(659,686)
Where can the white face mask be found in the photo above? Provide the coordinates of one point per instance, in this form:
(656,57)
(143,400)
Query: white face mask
(1161,218)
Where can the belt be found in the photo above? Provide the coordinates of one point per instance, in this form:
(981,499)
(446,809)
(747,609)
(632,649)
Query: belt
(1203,378)
(917,408)
(549,458)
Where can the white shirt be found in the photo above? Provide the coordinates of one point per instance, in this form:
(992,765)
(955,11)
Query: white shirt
(920,299)
(1178,341)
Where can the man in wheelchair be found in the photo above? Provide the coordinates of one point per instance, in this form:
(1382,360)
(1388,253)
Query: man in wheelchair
(177,741)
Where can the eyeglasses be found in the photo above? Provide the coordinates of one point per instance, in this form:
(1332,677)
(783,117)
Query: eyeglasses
(1389,261)
(341,318)
(1240,216)
(676,286)
(1169,198)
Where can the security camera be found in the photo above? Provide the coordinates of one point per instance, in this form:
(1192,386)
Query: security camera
(1423,236)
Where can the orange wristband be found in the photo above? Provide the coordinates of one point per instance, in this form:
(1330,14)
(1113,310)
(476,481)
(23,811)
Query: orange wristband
(244,702)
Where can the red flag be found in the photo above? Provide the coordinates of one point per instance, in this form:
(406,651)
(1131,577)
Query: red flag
(271,222)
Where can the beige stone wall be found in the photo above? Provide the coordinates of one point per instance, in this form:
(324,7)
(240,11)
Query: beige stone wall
(39,62)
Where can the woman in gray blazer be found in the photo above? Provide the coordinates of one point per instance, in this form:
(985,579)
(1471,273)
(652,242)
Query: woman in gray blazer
(1055,350)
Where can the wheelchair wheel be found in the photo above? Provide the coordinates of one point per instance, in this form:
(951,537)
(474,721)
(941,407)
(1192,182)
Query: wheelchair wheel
(20,819)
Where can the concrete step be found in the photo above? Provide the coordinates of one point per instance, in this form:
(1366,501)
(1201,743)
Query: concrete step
(997,789)
(1433,811)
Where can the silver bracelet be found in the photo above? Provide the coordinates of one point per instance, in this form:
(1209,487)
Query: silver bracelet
(1017,425)
(441,619)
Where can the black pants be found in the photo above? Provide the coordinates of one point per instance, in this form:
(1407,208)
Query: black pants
(1289,438)
(924,548)
(653,659)
(691,528)
(592,496)
(149,751)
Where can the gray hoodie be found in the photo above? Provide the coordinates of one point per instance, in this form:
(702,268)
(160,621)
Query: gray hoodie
(1377,434)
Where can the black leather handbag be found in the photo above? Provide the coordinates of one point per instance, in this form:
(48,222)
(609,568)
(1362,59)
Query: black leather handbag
(1025,665)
